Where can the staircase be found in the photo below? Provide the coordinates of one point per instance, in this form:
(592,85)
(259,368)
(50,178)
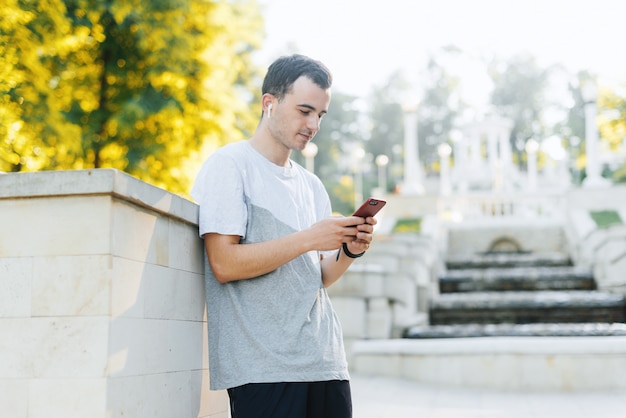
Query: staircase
(514,321)
(528,318)
(520,294)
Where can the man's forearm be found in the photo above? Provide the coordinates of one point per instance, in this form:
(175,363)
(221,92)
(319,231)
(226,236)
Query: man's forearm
(231,261)
(334,267)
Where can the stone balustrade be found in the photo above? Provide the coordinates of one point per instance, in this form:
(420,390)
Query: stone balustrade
(101,300)
(497,205)
(609,266)
(602,249)
(500,363)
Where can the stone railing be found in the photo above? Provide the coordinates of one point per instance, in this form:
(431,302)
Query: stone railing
(476,221)
(479,205)
(497,205)
(602,249)
(101,300)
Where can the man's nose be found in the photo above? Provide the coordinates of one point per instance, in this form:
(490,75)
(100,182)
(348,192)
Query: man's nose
(313,123)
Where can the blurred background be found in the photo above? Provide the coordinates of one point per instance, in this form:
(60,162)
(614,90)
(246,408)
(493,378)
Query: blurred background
(153,87)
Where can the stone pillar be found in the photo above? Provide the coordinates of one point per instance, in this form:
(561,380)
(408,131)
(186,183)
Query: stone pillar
(593,169)
(101,300)
(493,157)
(532,147)
(444,150)
(475,142)
(461,161)
(506,155)
(412,167)
(498,130)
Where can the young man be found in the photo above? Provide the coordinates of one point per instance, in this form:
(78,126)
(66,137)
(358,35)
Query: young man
(272,249)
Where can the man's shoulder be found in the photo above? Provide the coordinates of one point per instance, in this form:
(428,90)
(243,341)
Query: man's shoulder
(229,155)
(232,148)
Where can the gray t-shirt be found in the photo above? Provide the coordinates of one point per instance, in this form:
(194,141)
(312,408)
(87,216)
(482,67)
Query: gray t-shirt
(279,327)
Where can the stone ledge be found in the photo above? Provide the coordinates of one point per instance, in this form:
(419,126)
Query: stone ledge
(523,363)
(495,345)
(97,182)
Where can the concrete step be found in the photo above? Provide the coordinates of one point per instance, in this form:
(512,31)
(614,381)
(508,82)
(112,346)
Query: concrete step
(502,363)
(517,278)
(517,330)
(527,307)
(509,259)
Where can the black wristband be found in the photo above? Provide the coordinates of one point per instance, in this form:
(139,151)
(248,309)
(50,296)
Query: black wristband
(349,254)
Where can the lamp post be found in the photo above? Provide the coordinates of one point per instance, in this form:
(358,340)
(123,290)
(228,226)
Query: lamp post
(532,146)
(381,161)
(594,177)
(309,152)
(444,150)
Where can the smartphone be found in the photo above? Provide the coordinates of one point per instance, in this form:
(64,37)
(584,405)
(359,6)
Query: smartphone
(370,207)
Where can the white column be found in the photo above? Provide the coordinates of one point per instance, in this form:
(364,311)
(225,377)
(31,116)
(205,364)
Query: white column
(493,157)
(444,150)
(532,147)
(594,176)
(461,158)
(505,147)
(475,156)
(412,172)
(506,159)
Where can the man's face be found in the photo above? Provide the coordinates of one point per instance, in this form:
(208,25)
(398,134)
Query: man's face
(296,119)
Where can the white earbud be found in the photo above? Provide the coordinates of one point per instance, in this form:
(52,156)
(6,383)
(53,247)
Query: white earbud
(269,110)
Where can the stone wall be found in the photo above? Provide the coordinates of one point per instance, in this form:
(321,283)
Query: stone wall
(535,235)
(101,300)
(388,289)
(601,249)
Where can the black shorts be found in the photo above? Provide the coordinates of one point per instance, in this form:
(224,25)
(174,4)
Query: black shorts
(331,399)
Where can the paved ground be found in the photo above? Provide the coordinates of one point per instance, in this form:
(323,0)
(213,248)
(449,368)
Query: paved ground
(380,397)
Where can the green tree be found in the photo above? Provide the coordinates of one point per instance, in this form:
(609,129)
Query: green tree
(143,86)
(572,127)
(31,125)
(519,94)
(438,109)
(611,124)
(387,126)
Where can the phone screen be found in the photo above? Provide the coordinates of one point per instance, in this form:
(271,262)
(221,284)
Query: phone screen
(370,207)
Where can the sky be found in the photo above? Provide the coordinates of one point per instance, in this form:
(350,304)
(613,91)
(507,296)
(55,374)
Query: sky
(364,41)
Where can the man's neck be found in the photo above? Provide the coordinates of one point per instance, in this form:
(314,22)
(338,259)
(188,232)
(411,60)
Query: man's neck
(271,150)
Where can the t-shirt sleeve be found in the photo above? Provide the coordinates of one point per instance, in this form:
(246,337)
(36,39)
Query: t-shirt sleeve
(219,191)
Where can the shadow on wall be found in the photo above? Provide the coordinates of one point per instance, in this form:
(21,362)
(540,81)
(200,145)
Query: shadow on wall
(157,340)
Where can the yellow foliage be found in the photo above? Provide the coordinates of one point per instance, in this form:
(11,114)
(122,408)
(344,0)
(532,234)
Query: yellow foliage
(612,118)
(171,90)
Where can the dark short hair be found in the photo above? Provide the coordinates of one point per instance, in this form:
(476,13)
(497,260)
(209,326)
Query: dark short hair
(283,72)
